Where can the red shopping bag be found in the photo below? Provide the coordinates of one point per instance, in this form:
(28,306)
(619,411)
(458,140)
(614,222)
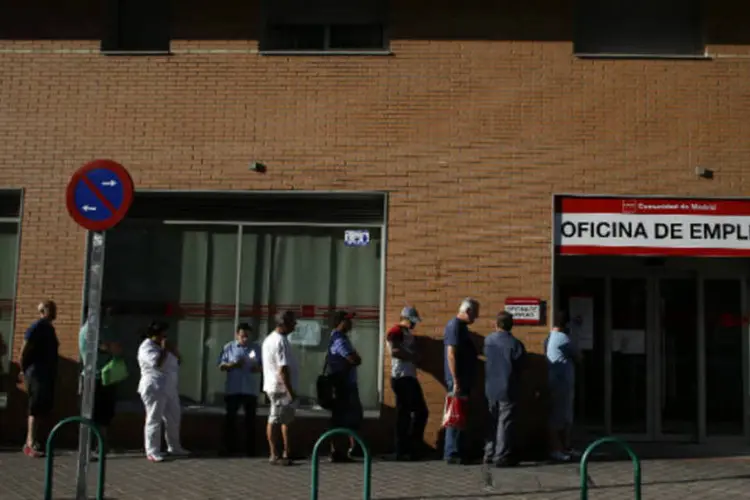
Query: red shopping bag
(454,412)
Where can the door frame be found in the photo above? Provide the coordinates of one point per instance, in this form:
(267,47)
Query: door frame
(653,276)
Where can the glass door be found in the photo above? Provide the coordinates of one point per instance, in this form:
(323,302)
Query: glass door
(724,327)
(630,370)
(677,359)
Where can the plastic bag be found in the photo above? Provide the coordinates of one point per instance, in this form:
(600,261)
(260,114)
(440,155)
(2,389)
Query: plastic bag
(454,412)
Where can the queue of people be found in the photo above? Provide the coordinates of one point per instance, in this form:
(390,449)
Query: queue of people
(505,357)
(245,361)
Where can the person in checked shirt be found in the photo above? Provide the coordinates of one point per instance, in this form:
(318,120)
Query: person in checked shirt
(241,360)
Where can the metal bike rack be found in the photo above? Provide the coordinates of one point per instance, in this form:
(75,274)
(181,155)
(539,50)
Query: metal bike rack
(633,458)
(48,467)
(366,490)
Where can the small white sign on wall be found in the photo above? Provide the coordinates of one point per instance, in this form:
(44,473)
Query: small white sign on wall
(357,238)
(306,334)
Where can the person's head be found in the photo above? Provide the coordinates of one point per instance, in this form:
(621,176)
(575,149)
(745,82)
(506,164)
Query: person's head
(47,310)
(561,320)
(504,321)
(410,317)
(242,334)
(468,311)
(157,331)
(342,321)
(286,322)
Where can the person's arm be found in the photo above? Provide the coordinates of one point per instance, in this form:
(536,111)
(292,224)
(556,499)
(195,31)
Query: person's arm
(27,348)
(569,350)
(282,360)
(225,364)
(171,348)
(257,367)
(343,347)
(519,355)
(451,348)
(396,339)
(154,355)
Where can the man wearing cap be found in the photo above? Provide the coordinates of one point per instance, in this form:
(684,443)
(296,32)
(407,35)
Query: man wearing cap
(280,371)
(342,363)
(411,409)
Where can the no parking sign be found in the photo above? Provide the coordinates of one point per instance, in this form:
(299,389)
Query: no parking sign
(98,197)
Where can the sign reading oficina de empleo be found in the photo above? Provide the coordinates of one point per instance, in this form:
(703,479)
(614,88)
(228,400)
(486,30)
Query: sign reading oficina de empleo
(652,226)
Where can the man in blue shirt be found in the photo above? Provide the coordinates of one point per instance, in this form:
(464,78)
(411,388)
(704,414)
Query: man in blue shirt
(342,362)
(460,367)
(241,360)
(561,357)
(39,367)
(504,356)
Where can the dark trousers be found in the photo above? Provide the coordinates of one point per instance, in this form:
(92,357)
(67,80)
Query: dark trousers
(500,442)
(411,415)
(233,404)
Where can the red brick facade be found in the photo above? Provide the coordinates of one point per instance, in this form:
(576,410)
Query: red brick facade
(471,125)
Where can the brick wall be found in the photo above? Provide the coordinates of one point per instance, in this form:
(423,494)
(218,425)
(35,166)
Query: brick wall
(472,124)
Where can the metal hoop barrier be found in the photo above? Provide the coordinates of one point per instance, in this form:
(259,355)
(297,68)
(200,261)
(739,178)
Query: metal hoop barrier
(48,467)
(633,458)
(366,491)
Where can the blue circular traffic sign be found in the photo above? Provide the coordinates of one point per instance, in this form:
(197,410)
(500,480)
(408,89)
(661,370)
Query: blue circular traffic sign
(99,195)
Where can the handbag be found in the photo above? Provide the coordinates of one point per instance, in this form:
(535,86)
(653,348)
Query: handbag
(115,371)
(455,411)
(325,385)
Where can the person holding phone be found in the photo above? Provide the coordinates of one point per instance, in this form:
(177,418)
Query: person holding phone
(241,360)
(159,362)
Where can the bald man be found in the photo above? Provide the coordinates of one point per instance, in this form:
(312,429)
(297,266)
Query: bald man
(39,366)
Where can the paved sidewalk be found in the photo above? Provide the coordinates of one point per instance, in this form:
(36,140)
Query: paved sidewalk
(131,477)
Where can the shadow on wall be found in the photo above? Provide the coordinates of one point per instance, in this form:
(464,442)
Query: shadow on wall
(532,424)
(537,20)
(13,418)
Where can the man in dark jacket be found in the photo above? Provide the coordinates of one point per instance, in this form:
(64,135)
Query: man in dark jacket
(505,356)
(39,365)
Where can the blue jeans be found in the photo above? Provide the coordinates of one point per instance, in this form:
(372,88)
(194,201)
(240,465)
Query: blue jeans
(454,445)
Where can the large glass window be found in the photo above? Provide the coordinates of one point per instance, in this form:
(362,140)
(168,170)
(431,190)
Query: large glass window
(8,271)
(311,270)
(188,275)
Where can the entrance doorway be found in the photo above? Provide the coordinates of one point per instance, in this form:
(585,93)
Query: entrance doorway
(663,344)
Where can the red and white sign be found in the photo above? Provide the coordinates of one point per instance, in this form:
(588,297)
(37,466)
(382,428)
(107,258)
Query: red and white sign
(652,226)
(525,310)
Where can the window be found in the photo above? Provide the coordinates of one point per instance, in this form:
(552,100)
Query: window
(639,28)
(204,278)
(10,206)
(324,26)
(136,26)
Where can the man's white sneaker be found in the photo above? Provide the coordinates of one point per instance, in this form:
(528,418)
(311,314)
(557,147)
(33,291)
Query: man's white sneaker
(179,452)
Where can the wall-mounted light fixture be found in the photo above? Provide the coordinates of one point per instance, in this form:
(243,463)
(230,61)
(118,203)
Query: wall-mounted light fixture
(703,172)
(257,166)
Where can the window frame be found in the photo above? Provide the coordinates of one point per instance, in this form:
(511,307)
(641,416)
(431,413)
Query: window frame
(108,36)
(18,221)
(132,406)
(384,51)
(579,19)
(381,20)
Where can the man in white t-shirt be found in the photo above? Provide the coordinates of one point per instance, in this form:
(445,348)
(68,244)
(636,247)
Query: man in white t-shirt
(280,373)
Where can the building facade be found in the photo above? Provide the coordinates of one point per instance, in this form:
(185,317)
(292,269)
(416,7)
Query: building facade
(455,136)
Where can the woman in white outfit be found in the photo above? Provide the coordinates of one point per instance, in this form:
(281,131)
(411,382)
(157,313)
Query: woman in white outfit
(159,362)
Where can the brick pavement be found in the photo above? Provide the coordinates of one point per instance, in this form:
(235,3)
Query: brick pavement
(129,476)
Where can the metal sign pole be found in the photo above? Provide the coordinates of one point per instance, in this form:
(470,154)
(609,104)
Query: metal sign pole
(95,275)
